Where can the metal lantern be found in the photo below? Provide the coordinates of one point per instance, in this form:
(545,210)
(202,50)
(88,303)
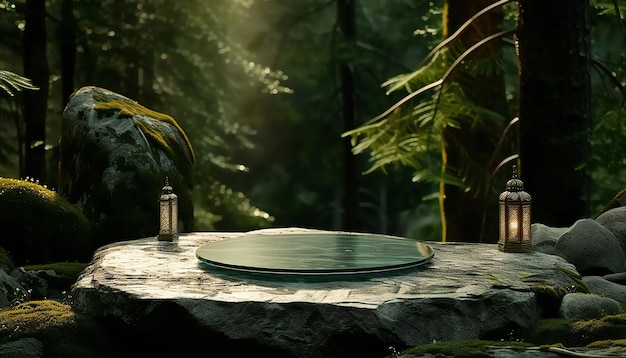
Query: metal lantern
(515,217)
(168,214)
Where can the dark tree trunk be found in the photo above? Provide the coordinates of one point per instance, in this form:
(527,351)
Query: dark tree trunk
(465,210)
(346,18)
(68,50)
(35,102)
(130,55)
(553,39)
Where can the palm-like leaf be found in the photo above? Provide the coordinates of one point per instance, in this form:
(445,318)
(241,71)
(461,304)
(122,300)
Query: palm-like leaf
(11,83)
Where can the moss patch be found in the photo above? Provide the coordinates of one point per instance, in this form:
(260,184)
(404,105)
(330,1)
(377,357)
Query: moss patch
(463,349)
(576,333)
(169,144)
(29,318)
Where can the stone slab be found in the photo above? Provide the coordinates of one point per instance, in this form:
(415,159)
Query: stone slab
(467,291)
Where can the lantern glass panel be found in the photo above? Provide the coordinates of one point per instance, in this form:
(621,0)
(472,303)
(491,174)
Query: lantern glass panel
(513,222)
(174,216)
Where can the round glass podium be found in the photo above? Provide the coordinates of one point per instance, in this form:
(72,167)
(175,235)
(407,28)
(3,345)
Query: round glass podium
(315,253)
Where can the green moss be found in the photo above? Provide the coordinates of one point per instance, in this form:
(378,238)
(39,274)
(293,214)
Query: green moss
(549,299)
(573,333)
(463,349)
(580,285)
(608,343)
(549,331)
(132,109)
(63,332)
(32,317)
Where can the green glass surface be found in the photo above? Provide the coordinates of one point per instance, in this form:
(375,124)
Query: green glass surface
(315,253)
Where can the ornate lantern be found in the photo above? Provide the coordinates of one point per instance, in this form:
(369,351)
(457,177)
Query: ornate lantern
(515,217)
(168,214)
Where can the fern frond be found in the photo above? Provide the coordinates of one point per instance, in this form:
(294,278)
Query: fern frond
(11,83)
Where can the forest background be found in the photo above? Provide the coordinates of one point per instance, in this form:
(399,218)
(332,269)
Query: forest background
(291,105)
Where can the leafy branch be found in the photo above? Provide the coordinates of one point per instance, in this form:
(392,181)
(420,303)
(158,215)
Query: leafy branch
(11,83)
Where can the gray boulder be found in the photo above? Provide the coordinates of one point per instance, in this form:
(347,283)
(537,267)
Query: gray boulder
(603,287)
(588,306)
(619,278)
(544,238)
(11,291)
(592,248)
(615,221)
(114,156)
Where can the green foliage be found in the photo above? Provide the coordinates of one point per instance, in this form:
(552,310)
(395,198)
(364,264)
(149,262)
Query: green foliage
(297,167)
(411,131)
(172,57)
(11,82)
(234,208)
(197,73)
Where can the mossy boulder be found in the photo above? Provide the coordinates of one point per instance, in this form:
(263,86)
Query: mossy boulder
(114,156)
(44,227)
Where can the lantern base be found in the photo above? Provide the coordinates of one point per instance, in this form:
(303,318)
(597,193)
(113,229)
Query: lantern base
(167,237)
(514,246)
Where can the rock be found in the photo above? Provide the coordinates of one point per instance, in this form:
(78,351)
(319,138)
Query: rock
(22,348)
(11,291)
(39,283)
(615,221)
(588,306)
(592,248)
(43,226)
(544,238)
(619,278)
(159,291)
(602,287)
(114,156)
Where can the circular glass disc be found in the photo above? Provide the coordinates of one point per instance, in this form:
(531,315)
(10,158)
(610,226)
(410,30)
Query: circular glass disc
(315,253)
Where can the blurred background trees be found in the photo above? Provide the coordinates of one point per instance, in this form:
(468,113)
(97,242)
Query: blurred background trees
(266,89)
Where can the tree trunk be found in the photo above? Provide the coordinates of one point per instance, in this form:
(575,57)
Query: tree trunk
(130,51)
(553,42)
(346,18)
(464,210)
(68,50)
(35,64)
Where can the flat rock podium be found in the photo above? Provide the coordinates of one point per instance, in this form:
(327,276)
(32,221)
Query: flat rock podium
(465,291)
